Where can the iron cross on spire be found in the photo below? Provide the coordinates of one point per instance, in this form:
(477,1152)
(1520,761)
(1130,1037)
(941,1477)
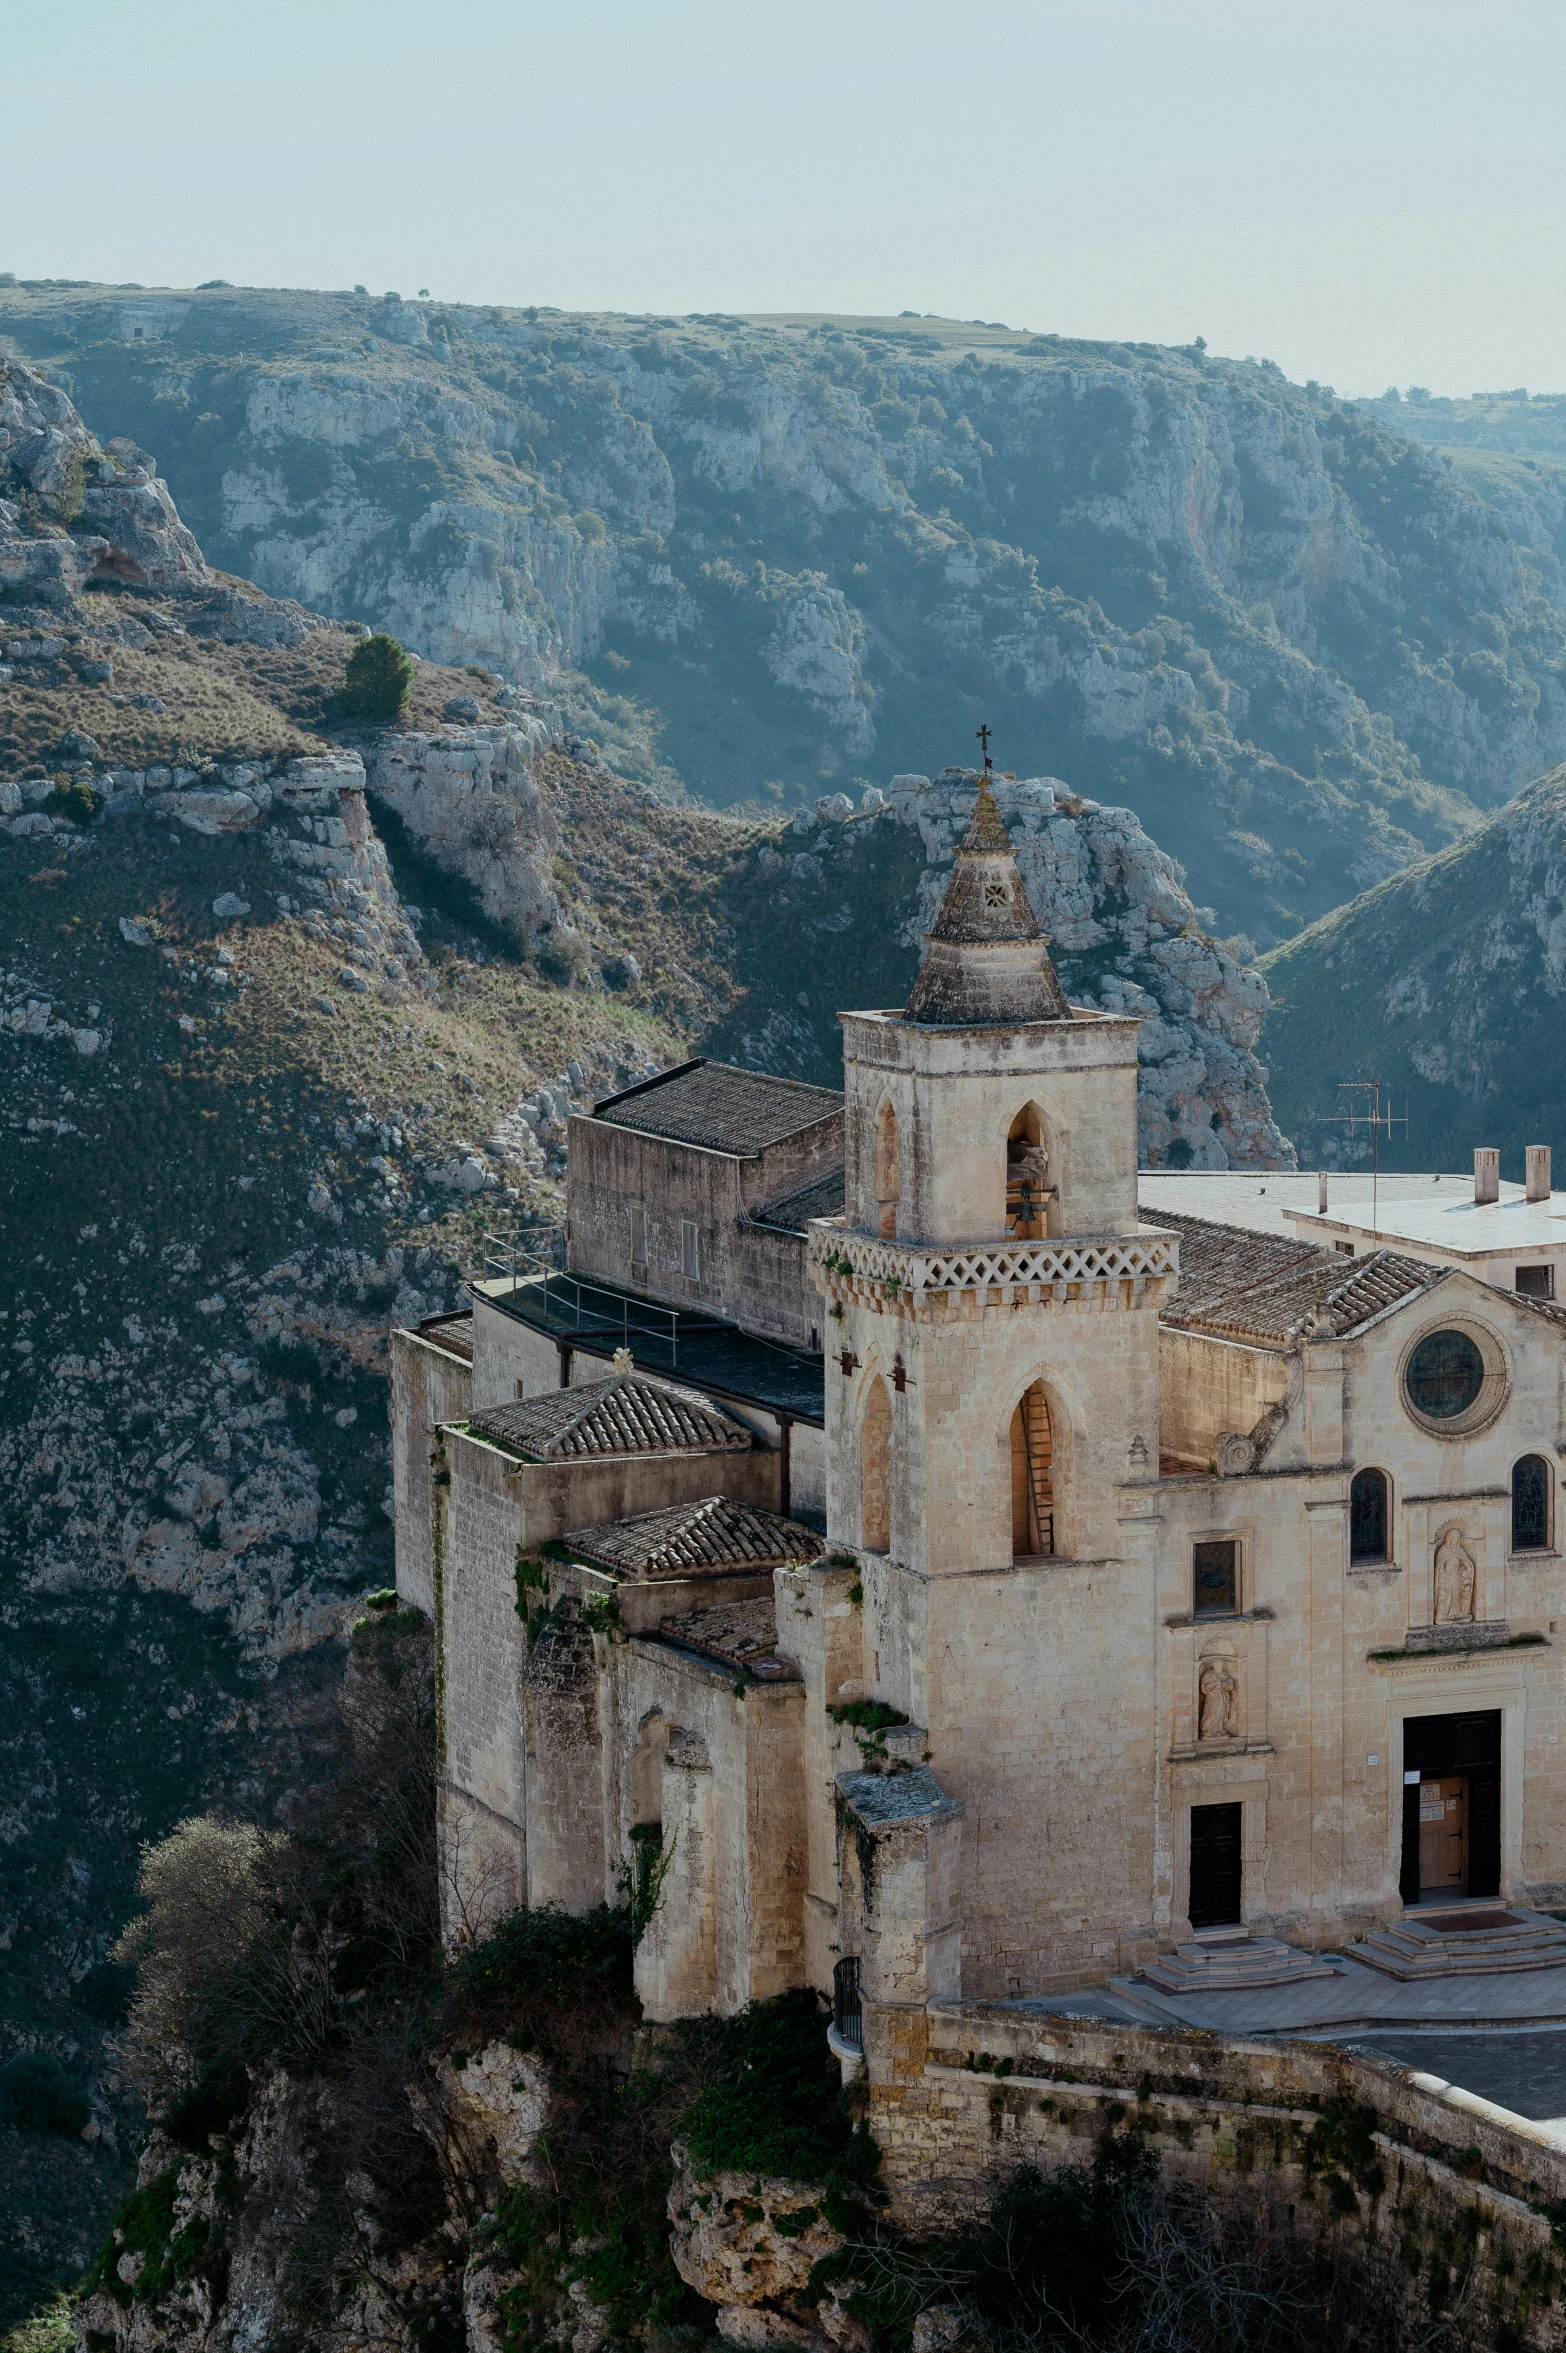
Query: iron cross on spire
(984,738)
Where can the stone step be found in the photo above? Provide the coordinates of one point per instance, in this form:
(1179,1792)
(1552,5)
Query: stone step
(1477,1942)
(1229,1963)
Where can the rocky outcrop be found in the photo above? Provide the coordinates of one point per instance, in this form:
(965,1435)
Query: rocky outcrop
(862,886)
(749,2246)
(468,797)
(72,511)
(1446,983)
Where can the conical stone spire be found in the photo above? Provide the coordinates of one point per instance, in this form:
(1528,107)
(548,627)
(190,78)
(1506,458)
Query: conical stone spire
(986,960)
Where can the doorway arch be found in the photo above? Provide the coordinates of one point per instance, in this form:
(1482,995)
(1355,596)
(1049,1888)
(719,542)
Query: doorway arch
(1032,1476)
(875,1470)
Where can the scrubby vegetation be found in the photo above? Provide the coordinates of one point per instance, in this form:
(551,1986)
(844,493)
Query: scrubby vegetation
(1101,2256)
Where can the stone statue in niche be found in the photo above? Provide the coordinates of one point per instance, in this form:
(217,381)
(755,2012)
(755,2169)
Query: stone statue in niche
(1217,1701)
(1456,1579)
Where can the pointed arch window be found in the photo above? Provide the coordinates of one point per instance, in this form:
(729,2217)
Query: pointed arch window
(875,1471)
(887,1173)
(1032,1477)
(1029,1180)
(1531,1504)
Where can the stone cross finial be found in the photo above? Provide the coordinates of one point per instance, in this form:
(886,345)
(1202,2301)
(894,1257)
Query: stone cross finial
(624,1361)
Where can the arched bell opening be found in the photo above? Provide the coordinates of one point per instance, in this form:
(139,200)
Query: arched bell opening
(1032,1480)
(1031,1184)
(875,1471)
(888,1183)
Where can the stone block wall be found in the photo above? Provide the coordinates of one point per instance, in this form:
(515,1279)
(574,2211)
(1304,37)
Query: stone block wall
(429,1385)
(962,2094)
(726,1767)
(757,1282)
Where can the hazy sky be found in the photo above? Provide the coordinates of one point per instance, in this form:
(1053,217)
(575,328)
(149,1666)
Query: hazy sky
(1369,193)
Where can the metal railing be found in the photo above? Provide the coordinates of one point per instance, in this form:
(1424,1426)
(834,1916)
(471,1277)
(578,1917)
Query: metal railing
(570,1300)
(848,2021)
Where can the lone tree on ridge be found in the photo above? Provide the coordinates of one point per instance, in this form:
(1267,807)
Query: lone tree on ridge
(377,679)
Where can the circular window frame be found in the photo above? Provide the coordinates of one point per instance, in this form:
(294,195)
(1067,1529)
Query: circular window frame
(1494,1388)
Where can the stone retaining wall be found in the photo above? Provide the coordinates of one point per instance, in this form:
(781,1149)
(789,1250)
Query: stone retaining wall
(1449,2198)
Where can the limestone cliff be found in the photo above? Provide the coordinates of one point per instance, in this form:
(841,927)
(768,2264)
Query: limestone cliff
(1447,983)
(862,886)
(767,556)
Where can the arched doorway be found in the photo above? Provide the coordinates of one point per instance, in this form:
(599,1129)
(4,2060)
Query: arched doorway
(887,1179)
(1029,1177)
(875,1471)
(1032,1488)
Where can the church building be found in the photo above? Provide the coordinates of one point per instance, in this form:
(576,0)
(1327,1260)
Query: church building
(907,1568)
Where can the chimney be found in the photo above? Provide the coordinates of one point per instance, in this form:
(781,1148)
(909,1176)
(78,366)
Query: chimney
(1321,1192)
(1487,1175)
(1538,1172)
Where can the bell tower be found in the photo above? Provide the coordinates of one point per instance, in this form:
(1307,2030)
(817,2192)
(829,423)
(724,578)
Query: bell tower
(992,1370)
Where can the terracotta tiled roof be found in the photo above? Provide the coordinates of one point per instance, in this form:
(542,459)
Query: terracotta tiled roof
(1266,1289)
(718,1105)
(627,1414)
(712,1538)
(454,1333)
(823,1197)
(738,1634)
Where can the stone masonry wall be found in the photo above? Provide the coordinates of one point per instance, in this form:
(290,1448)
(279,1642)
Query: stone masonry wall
(962,2094)
(428,1386)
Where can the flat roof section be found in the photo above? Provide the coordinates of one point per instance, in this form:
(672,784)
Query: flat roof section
(1459,1228)
(720,1107)
(696,1350)
(1264,1203)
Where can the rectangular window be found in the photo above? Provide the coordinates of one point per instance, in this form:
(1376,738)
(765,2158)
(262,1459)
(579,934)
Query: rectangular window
(1536,1282)
(690,1250)
(1344,1249)
(1215,1577)
(638,1236)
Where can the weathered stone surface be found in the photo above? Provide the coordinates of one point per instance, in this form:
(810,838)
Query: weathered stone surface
(469,798)
(127,525)
(501,2100)
(726,2243)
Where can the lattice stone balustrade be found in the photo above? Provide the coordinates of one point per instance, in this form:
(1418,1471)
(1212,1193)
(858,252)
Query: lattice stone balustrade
(876,1268)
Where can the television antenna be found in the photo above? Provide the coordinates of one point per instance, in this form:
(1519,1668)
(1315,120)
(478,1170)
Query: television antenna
(1380,1123)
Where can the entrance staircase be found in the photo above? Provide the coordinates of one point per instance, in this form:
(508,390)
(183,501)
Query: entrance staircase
(1229,1960)
(1476,1940)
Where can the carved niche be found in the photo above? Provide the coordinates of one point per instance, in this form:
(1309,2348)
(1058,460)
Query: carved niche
(1455,1581)
(1217,1699)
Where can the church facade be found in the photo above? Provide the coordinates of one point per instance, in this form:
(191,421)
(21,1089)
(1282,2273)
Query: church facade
(904,1567)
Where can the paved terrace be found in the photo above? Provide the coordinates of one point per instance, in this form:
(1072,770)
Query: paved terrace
(1497,2036)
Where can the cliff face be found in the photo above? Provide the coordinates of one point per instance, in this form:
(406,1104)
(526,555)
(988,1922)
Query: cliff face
(863,886)
(1445,982)
(765,556)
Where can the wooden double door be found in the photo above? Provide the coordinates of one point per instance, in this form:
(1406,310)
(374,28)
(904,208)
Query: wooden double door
(1451,1807)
